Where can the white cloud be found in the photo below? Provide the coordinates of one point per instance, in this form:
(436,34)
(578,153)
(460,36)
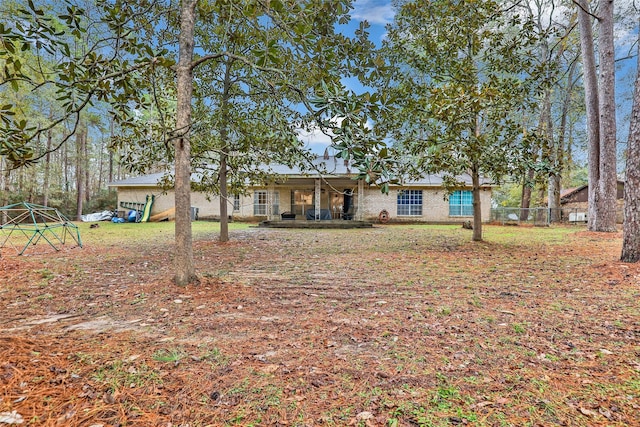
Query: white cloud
(374,11)
(317,140)
(314,138)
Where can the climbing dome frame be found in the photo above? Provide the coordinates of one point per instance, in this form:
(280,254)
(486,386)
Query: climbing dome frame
(25,224)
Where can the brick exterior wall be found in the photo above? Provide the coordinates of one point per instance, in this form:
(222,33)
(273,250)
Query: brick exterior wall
(434,206)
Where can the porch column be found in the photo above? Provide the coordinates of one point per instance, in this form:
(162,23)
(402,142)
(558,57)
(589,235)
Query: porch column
(270,191)
(317,199)
(360,210)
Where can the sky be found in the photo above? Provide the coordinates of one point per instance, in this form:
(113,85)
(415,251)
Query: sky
(379,13)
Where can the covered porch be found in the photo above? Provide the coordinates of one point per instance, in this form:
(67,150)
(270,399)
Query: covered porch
(315,199)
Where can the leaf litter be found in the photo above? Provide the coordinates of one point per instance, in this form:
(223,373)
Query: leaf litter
(394,326)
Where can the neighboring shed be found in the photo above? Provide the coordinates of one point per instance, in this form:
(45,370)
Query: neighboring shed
(333,194)
(577,200)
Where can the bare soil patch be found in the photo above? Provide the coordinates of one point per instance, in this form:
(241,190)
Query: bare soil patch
(390,326)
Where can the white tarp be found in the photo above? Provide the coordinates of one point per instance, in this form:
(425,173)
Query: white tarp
(98,216)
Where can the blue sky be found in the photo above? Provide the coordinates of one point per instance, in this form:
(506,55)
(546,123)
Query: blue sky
(379,13)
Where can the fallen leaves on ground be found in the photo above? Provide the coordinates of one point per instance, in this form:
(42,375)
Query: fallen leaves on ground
(392,326)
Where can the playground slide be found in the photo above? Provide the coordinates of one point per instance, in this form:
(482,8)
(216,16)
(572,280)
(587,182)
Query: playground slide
(146,211)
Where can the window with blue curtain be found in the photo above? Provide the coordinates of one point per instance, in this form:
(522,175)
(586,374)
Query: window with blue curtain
(410,203)
(461,203)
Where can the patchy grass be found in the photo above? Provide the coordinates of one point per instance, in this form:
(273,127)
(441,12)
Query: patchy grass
(133,234)
(410,325)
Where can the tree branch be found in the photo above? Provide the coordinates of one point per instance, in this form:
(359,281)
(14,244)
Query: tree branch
(584,9)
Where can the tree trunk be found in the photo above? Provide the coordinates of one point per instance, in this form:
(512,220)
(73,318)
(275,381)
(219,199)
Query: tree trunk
(525,200)
(85,162)
(631,224)
(224,198)
(184,266)
(477,209)
(592,109)
(80,140)
(606,218)
(47,171)
(5,179)
(111,157)
(561,152)
(47,166)
(65,166)
(549,151)
(553,180)
(553,196)
(601,121)
(99,184)
(224,137)
(21,189)
(6,184)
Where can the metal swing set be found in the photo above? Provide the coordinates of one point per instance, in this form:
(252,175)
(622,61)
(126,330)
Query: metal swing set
(25,224)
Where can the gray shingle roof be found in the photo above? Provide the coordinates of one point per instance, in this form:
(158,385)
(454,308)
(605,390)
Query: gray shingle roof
(150,180)
(334,167)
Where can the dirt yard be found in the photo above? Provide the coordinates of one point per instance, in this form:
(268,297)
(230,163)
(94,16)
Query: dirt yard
(389,326)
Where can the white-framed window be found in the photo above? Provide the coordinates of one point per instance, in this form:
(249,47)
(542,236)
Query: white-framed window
(410,203)
(461,203)
(261,202)
(236,203)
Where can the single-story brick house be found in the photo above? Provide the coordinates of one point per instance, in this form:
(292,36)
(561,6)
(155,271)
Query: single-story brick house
(334,194)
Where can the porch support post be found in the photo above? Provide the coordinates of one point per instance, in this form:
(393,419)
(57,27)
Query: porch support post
(317,200)
(270,191)
(360,210)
